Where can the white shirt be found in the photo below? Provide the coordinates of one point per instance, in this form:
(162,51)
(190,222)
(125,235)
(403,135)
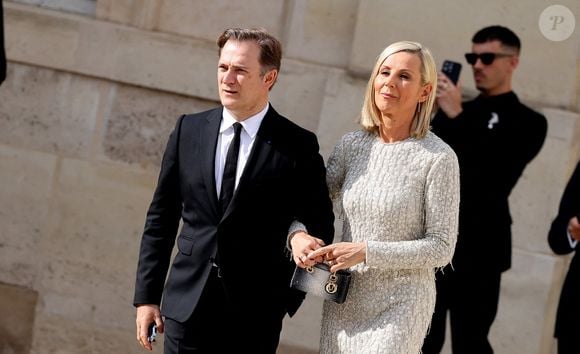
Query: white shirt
(250,128)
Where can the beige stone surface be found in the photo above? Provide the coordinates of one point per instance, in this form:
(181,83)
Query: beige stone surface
(207,19)
(62,335)
(302,331)
(137,13)
(78,44)
(341,109)
(321,31)
(89,252)
(299,92)
(525,319)
(140,121)
(447,31)
(26,179)
(55,122)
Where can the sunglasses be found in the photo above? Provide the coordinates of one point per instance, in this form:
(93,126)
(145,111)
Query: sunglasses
(486,58)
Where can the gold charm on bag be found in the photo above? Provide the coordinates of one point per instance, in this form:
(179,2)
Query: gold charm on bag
(331,285)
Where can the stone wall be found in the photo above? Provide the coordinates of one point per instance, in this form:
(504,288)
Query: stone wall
(95,87)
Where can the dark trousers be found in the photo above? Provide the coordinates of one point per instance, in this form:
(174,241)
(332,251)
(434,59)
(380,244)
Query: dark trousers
(217,326)
(471,299)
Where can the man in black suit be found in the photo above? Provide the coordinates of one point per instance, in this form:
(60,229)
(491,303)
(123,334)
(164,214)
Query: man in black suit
(563,239)
(238,177)
(494,136)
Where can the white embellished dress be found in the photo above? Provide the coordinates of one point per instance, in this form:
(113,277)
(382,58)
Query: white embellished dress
(402,199)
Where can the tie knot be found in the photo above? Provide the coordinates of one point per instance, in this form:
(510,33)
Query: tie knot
(237,128)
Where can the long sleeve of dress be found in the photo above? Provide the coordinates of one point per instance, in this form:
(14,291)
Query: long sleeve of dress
(435,248)
(402,199)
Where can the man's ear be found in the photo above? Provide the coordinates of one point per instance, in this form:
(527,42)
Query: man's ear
(270,77)
(514,61)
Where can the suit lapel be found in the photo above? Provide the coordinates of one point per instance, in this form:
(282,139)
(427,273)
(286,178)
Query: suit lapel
(261,151)
(208,138)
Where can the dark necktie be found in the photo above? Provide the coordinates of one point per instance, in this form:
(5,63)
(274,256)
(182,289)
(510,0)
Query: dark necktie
(230,168)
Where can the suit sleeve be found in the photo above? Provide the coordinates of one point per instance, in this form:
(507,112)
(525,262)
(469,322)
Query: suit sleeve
(313,207)
(569,207)
(160,227)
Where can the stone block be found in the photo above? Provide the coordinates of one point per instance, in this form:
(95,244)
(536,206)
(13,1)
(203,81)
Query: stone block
(208,19)
(321,31)
(525,319)
(77,44)
(299,92)
(26,179)
(90,252)
(140,121)
(83,7)
(439,31)
(17,305)
(341,109)
(137,13)
(48,110)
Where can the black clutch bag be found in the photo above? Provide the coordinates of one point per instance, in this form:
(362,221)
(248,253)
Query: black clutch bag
(319,281)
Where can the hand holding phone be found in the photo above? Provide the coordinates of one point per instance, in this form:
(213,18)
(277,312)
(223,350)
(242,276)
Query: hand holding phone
(452,70)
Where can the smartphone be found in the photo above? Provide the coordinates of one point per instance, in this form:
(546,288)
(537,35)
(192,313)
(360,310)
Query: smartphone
(152,332)
(452,70)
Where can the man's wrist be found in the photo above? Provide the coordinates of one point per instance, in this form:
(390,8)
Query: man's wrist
(454,113)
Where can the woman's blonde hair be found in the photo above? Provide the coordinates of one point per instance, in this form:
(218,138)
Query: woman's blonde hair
(370,115)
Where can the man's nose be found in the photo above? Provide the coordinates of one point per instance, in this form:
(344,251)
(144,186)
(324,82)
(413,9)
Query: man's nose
(228,77)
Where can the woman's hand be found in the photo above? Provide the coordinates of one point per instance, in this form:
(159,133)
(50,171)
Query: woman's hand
(302,244)
(342,255)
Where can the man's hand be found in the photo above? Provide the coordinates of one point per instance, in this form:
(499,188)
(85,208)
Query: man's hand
(448,96)
(302,244)
(147,314)
(574,228)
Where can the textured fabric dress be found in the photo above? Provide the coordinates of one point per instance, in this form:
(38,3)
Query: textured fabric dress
(402,199)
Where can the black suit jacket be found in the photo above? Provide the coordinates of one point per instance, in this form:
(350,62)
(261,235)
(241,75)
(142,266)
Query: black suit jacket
(494,139)
(568,317)
(283,180)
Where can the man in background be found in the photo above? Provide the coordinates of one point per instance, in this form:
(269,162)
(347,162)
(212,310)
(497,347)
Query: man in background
(494,136)
(563,239)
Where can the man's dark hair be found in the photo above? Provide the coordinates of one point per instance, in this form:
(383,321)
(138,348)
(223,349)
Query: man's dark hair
(270,47)
(498,33)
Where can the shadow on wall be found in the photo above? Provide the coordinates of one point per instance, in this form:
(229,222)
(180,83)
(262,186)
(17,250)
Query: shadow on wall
(17,306)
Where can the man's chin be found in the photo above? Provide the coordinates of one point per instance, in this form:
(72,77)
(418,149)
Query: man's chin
(227,102)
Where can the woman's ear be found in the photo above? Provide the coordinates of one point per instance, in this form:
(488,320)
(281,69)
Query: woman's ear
(426,91)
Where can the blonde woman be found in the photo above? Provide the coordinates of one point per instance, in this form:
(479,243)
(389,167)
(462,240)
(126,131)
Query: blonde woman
(397,185)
